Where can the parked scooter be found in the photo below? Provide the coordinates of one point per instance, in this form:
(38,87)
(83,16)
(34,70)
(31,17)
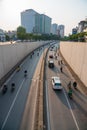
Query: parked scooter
(4,90)
(12,87)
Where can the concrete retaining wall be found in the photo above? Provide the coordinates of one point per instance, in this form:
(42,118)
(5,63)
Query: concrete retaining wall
(11,54)
(76,56)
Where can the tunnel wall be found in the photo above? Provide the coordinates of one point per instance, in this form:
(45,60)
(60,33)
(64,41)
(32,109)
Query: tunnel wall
(11,54)
(75,53)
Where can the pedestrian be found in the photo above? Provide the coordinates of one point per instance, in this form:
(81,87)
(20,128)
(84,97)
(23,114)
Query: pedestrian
(58,62)
(58,53)
(61,62)
(69,85)
(56,57)
(75,84)
(61,69)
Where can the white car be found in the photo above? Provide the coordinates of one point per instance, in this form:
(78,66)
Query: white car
(56,83)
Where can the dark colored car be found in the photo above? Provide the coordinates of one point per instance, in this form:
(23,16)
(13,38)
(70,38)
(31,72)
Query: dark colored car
(51,64)
(50,56)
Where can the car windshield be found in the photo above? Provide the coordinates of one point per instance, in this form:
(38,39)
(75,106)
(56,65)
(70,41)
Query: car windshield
(57,84)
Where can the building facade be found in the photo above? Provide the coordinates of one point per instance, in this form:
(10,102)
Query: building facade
(45,24)
(34,22)
(61,31)
(12,34)
(74,30)
(81,26)
(30,20)
(54,29)
(2,36)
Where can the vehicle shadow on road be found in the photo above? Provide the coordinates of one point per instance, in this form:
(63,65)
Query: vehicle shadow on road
(67,75)
(80,107)
(55,69)
(60,95)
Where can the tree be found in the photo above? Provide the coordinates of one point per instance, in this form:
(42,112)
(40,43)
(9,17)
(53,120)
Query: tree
(21,33)
(7,38)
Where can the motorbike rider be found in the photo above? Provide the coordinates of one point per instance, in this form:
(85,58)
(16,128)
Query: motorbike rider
(4,89)
(18,68)
(12,86)
(69,85)
(69,89)
(38,54)
(70,92)
(31,56)
(25,73)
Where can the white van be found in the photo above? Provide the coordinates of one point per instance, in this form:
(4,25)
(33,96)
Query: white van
(56,83)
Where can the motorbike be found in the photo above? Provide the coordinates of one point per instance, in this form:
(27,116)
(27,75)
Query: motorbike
(18,69)
(31,56)
(37,54)
(69,85)
(33,53)
(25,73)
(4,90)
(70,93)
(12,87)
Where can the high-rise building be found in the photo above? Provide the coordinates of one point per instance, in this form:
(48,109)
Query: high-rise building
(30,20)
(34,22)
(45,23)
(54,29)
(61,30)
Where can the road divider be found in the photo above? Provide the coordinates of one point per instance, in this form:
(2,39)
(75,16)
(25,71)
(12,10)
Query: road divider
(39,108)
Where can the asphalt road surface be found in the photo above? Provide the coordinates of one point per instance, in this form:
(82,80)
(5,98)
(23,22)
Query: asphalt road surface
(64,113)
(12,104)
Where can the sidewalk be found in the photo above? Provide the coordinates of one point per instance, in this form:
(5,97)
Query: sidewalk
(71,76)
(7,43)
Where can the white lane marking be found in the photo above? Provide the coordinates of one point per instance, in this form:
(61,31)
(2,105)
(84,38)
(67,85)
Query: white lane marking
(48,112)
(3,125)
(10,77)
(8,80)
(71,111)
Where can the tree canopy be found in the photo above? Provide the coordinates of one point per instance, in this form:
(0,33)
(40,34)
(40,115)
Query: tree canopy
(21,33)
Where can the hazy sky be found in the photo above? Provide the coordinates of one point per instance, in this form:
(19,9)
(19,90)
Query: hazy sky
(67,12)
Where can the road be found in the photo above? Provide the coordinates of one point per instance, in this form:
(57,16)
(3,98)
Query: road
(64,113)
(12,105)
